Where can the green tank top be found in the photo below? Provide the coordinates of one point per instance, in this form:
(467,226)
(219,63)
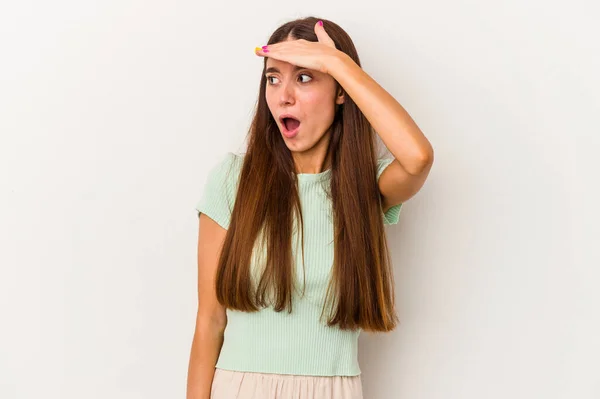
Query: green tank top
(280,342)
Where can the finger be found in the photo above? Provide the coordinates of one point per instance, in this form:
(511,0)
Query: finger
(262,50)
(323,36)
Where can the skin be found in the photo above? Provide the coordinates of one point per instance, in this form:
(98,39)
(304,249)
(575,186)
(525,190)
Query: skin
(211,316)
(313,97)
(413,153)
(314,102)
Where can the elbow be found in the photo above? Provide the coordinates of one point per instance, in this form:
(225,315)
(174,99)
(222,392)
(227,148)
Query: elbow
(422,164)
(427,158)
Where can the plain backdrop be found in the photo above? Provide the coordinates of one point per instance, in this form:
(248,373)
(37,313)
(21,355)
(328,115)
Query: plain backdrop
(112,113)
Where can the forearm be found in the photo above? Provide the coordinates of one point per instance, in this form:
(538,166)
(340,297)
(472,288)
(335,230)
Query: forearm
(389,119)
(206,347)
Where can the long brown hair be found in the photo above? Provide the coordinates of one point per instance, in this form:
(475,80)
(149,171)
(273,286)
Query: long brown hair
(361,290)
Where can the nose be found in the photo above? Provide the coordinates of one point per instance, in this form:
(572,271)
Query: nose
(286,95)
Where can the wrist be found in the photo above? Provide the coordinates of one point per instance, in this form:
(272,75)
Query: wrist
(337,62)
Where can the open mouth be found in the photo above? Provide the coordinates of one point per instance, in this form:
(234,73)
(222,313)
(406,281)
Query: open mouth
(291,124)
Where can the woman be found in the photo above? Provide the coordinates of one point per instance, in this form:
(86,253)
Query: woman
(292,255)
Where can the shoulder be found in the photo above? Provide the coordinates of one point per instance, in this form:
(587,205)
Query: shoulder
(227,168)
(220,188)
(228,160)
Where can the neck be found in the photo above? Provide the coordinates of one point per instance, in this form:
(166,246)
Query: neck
(310,161)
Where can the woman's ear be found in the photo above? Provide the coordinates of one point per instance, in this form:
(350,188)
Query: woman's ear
(340,98)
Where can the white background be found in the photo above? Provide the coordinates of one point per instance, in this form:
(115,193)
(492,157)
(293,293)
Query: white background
(112,113)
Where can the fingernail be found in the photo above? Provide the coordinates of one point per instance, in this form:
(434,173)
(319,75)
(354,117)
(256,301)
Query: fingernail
(265,47)
(321,23)
(257,49)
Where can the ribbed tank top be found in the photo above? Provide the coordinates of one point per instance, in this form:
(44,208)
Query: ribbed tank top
(279,342)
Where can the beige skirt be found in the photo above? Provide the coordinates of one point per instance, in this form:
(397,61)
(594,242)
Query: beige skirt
(229,384)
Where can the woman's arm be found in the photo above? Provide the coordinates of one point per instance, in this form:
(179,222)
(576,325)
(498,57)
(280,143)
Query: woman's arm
(211,317)
(389,119)
(413,153)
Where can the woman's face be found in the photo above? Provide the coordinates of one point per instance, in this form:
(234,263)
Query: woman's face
(307,95)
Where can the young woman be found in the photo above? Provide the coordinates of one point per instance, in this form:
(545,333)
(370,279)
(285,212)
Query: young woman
(292,255)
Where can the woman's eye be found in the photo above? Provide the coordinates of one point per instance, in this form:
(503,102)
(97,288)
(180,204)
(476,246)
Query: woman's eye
(306,75)
(302,74)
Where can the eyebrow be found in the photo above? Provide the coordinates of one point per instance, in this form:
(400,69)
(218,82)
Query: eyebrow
(273,69)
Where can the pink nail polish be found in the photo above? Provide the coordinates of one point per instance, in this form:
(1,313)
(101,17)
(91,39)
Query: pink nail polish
(321,23)
(265,47)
